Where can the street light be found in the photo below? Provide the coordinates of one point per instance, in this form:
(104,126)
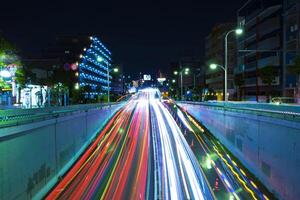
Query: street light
(100,59)
(76,86)
(186,72)
(116,70)
(237,31)
(214,66)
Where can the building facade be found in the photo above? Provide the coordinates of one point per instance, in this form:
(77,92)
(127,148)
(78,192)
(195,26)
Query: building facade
(84,63)
(259,47)
(214,53)
(94,67)
(291,46)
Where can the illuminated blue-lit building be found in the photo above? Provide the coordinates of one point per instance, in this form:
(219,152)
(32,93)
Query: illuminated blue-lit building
(95,61)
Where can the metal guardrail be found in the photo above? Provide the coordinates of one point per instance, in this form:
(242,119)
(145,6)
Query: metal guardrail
(259,109)
(16,117)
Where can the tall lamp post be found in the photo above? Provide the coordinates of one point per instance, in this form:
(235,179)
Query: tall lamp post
(237,31)
(186,72)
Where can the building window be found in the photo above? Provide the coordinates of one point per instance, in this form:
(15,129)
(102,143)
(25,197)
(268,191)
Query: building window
(296,27)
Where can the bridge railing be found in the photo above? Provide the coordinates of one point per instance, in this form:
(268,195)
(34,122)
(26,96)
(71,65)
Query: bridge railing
(15,117)
(287,112)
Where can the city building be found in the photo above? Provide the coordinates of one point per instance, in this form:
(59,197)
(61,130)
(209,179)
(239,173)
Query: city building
(94,67)
(259,47)
(291,24)
(215,53)
(85,63)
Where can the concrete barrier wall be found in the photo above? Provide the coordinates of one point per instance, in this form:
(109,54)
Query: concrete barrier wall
(33,156)
(268,147)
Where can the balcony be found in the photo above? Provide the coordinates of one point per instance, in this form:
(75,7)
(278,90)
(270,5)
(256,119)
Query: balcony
(250,66)
(269,44)
(269,26)
(272,60)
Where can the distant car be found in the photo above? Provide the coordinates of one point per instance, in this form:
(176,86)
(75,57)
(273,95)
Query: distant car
(165,94)
(165,99)
(276,100)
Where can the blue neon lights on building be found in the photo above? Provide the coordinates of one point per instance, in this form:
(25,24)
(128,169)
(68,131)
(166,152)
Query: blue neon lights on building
(94,64)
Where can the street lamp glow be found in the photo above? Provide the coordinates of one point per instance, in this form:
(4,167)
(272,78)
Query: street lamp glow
(100,59)
(176,73)
(239,31)
(116,70)
(213,66)
(173,81)
(5,74)
(186,72)
(187,69)
(76,86)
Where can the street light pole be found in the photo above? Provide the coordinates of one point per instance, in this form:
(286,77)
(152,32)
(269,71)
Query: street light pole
(186,71)
(238,32)
(108,93)
(226,62)
(100,59)
(181,85)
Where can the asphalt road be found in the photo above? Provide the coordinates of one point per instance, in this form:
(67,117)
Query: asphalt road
(141,153)
(228,178)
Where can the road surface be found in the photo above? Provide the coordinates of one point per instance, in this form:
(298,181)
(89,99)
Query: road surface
(228,178)
(140,154)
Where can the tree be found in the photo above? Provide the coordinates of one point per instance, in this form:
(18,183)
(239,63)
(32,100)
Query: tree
(8,56)
(239,81)
(295,69)
(268,75)
(60,92)
(8,53)
(6,47)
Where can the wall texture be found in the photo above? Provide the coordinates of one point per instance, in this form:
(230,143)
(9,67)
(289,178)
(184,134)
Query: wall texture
(33,156)
(269,147)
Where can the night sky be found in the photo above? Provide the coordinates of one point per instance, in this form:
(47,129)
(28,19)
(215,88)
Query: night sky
(142,35)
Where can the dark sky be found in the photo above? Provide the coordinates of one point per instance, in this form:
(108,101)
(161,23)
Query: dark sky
(143,35)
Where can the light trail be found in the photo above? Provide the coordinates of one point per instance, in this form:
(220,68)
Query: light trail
(173,143)
(118,164)
(231,166)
